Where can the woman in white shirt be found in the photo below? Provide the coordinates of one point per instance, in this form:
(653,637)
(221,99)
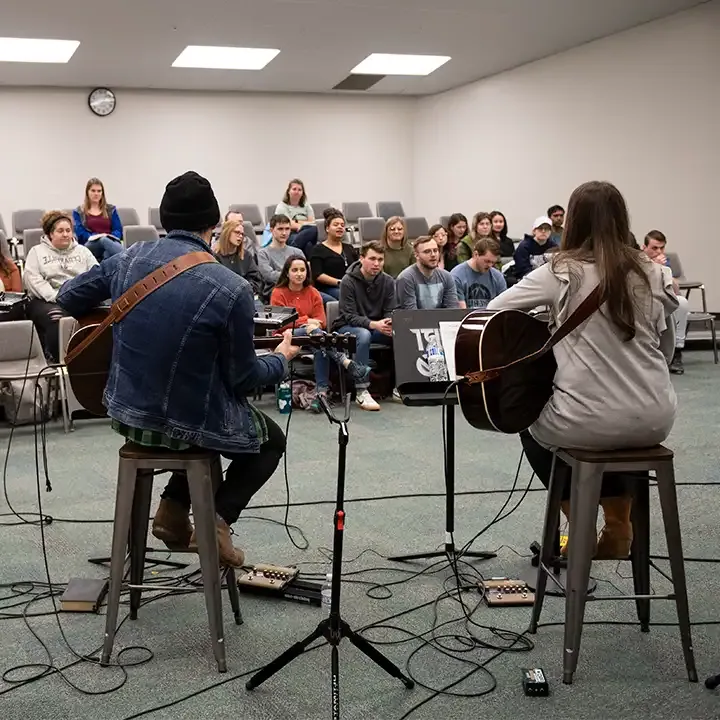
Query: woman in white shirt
(303,231)
(612,388)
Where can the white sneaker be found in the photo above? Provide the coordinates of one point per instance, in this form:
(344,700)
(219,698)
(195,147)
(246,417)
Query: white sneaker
(396,396)
(366,401)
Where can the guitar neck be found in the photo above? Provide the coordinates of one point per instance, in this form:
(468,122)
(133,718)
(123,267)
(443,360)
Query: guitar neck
(330,341)
(270,343)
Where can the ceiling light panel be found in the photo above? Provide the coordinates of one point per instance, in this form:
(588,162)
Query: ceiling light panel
(211,57)
(32,50)
(391,64)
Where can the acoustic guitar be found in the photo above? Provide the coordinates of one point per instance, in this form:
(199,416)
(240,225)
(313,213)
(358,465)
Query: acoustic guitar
(506,367)
(88,370)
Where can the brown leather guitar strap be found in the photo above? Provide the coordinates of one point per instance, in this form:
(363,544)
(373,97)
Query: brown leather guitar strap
(138,292)
(583,311)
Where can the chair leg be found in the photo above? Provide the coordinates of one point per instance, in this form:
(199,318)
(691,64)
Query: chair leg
(714,341)
(640,553)
(585,489)
(121,528)
(671,520)
(233,594)
(203,503)
(549,541)
(138,535)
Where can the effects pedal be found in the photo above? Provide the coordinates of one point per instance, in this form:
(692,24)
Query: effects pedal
(267,577)
(534,682)
(506,592)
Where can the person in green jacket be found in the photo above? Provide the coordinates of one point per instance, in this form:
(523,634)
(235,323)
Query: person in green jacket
(481,228)
(398,250)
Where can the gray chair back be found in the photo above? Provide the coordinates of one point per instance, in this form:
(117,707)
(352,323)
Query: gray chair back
(250,213)
(353,211)
(154,218)
(444,220)
(320,208)
(389,208)
(675,265)
(4,247)
(140,233)
(23,220)
(371,228)
(269,212)
(3,229)
(128,216)
(416,226)
(21,354)
(332,312)
(31,238)
(322,235)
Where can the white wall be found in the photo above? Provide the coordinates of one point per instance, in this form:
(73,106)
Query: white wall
(640,109)
(249,146)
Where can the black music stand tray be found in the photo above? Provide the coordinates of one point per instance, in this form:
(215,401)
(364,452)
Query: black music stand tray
(434,398)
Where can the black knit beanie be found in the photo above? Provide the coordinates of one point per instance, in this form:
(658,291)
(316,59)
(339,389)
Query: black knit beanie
(189,203)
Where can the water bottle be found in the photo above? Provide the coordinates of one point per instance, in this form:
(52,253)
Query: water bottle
(283,397)
(326,592)
(436,361)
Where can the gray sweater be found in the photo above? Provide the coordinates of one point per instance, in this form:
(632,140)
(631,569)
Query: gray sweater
(271,260)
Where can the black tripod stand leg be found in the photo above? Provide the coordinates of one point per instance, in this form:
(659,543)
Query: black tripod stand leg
(287,657)
(374,654)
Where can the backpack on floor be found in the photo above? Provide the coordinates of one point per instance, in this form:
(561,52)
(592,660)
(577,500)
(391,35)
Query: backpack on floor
(18,400)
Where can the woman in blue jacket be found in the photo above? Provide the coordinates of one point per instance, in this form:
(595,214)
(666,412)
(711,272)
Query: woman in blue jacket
(97,224)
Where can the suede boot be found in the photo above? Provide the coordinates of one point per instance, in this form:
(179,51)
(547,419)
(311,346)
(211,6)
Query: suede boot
(172,524)
(229,554)
(617,535)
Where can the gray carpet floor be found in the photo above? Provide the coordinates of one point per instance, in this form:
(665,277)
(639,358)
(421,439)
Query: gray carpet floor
(622,673)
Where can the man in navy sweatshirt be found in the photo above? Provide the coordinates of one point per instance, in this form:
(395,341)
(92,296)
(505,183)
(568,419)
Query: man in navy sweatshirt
(531,251)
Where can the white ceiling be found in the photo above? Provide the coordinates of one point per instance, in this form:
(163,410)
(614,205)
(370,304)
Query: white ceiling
(132,43)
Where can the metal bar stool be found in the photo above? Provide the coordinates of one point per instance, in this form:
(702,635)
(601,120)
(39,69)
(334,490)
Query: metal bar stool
(132,513)
(587,469)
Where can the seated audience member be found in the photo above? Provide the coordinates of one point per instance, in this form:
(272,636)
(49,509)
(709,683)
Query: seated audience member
(11,282)
(232,253)
(457,229)
(97,224)
(48,265)
(250,243)
(423,285)
(272,257)
(481,228)
(439,234)
(500,233)
(654,248)
(477,280)
(611,390)
(367,299)
(294,289)
(531,251)
(556,213)
(398,250)
(303,231)
(330,259)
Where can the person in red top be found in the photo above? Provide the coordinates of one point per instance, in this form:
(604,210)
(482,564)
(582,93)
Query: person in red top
(294,289)
(11,282)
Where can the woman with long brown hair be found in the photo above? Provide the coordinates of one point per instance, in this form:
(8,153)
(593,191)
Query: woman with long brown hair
(612,388)
(398,249)
(97,224)
(481,228)
(231,252)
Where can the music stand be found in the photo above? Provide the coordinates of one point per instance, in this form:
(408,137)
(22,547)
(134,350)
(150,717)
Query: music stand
(334,628)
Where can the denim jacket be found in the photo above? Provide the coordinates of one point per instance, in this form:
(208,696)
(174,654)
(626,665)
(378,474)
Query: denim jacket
(183,359)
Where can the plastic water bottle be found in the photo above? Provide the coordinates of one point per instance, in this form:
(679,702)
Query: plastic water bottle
(436,361)
(283,397)
(326,592)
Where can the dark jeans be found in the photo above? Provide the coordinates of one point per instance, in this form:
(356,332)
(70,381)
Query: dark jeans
(328,293)
(245,475)
(613,485)
(46,317)
(364,338)
(104,247)
(304,239)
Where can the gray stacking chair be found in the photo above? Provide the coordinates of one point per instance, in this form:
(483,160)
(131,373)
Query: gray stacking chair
(128,216)
(250,213)
(31,238)
(320,208)
(269,212)
(371,228)
(140,233)
(154,220)
(389,208)
(26,220)
(416,226)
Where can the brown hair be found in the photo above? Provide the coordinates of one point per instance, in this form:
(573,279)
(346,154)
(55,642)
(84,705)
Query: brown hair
(597,230)
(284,279)
(5,266)
(103,201)
(51,218)
(655,235)
(422,240)
(393,221)
(224,246)
(303,197)
(487,244)
(478,217)
(375,245)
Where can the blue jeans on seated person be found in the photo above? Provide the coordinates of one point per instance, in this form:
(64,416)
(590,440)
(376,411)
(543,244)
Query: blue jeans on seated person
(321,362)
(328,293)
(304,239)
(104,247)
(364,338)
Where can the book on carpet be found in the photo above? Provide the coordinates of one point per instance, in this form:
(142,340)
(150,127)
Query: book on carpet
(83,595)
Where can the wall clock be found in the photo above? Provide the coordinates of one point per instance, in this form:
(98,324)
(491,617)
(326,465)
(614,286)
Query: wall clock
(102,101)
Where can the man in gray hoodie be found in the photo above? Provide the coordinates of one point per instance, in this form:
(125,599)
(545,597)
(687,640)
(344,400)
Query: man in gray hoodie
(367,299)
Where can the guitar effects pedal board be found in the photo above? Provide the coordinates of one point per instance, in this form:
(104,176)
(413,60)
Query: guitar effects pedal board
(506,592)
(277,581)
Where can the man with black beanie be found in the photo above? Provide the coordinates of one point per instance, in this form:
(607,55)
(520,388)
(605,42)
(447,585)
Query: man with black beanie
(184,361)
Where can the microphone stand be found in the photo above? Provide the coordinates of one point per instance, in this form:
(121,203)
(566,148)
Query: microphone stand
(334,628)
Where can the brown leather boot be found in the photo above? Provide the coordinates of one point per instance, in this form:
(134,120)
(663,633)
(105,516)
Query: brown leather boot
(172,524)
(229,554)
(617,535)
